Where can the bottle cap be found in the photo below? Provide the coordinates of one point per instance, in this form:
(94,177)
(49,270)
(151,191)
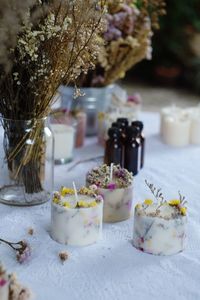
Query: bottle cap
(132,131)
(114,132)
(115,124)
(123,121)
(138,124)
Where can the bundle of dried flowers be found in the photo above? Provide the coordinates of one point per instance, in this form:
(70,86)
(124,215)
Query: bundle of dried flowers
(130,25)
(42,42)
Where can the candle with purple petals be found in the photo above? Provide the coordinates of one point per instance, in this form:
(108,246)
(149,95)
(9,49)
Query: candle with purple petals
(115,185)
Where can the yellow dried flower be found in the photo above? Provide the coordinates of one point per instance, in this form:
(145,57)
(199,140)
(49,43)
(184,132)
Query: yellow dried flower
(183,210)
(148,202)
(66,204)
(138,206)
(174,202)
(82,204)
(92,204)
(56,200)
(66,191)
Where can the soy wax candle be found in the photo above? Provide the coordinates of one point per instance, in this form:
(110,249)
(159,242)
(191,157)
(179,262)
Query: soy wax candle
(169,111)
(160,228)
(115,185)
(76,219)
(176,130)
(194,114)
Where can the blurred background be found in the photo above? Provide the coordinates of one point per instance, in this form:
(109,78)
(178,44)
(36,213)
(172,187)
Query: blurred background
(173,74)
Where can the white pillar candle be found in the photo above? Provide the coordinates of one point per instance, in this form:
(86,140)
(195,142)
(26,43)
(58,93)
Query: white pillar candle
(160,230)
(64,136)
(76,224)
(176,130)
(195,125)
(170,111)
(117,194)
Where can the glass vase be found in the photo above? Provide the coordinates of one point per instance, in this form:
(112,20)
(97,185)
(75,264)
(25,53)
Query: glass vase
(26,161)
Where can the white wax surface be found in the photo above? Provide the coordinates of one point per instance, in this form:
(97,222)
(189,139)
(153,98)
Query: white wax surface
(176,130)
(117,204)
(195,125)
(76,226)
(64,141)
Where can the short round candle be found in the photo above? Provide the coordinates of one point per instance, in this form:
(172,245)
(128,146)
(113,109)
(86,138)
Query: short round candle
(117,191)
(77,223)
(160,229)
(176,130)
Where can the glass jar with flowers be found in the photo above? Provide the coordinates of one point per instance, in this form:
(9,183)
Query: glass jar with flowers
(42,43)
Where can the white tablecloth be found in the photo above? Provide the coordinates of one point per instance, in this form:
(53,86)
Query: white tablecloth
(113,268)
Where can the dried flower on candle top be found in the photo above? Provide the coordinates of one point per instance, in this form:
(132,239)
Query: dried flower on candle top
(63,198)
(162,208)
(100,176)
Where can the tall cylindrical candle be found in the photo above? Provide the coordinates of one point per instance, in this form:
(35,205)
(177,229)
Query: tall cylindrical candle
(117,193)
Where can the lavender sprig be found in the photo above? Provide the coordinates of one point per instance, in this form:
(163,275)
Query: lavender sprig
(22,249)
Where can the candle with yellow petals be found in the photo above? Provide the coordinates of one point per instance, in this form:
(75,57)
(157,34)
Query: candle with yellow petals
(76,219)
(160,229)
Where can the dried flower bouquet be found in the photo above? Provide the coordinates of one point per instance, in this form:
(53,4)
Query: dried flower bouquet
(127,39)
(42,43)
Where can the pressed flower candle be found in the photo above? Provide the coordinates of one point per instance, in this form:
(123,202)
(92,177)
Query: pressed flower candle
(117,191)
(160,228)
(76,219)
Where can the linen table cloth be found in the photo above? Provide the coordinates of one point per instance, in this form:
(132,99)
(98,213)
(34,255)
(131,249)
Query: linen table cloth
(112,269)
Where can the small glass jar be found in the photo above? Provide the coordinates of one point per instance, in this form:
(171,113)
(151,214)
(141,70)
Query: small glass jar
(64,129)
(26,156)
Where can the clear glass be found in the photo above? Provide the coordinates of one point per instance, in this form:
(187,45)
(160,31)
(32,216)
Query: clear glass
(26,162)
(64,129)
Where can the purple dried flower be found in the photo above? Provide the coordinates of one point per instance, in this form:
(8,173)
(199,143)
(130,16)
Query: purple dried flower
(2,282)
(111,186)
(99,198)
(135,98)
(24,253)
(22,248)
(112,33)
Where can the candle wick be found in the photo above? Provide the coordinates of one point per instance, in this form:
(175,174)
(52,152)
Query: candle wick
(75,191)
(111,171)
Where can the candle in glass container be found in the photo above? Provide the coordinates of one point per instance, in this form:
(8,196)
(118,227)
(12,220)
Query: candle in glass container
(117,192)
(64,136)
(160,229)
(76,222)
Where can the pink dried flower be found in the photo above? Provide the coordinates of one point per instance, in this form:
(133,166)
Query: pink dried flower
(22,248)
(111,186)
(2,282)
(99,198)
(23,253)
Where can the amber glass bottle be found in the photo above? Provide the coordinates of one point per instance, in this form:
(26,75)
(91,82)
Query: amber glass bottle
(113,148)
(131,153)
(141,138)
